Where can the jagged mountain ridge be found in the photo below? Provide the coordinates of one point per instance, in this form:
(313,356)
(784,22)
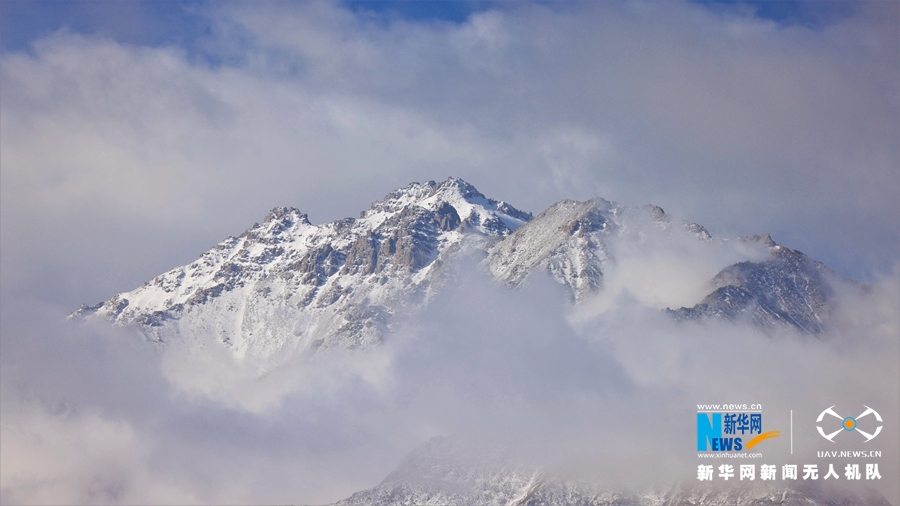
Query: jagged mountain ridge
(568,241)
(287,285)
(787,288)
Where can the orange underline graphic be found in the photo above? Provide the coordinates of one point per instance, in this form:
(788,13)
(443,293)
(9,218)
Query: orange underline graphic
(765,435)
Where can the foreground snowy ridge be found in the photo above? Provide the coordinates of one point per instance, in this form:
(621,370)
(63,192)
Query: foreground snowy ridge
(440,472)
(286,285)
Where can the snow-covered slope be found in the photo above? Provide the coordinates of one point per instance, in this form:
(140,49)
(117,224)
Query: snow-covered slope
(570,241)
(567,240)
(286,286)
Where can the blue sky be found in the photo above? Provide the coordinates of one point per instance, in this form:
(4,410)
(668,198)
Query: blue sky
(747,117)
(178,22)
(135,22)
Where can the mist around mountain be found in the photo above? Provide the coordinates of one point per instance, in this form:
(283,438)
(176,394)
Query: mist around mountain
(286,286)
(555,349)
(442,471)
(136,136)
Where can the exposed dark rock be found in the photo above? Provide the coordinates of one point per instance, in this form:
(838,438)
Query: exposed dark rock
(318,265)
(787,288)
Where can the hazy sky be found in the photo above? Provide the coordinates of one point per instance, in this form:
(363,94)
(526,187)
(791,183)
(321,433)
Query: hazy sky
(136,135)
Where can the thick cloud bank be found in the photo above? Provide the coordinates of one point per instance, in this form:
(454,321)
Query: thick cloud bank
(92,414)
(120,160)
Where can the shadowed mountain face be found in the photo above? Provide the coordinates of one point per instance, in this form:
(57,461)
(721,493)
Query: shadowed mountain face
(787,288)
(286,286)
(441,472)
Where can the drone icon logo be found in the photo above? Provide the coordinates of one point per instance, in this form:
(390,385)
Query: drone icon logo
(849,424)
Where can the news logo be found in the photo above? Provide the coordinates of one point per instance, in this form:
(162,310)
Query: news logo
(730,430)
(848,424)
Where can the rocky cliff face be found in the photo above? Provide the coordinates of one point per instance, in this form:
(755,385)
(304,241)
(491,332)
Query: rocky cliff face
(788,288)
(286,286)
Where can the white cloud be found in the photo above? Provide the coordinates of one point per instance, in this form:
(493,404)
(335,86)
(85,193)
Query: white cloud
(120,161)
(91,414)
(762,129)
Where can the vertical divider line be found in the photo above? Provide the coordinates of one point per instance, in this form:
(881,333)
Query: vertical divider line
(792,432)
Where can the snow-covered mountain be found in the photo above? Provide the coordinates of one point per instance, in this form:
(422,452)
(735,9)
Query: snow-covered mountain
(439,473)
(787,288)
(287,286)
(570,241)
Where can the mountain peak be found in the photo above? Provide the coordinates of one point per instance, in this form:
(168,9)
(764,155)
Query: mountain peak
(287,214)
(287,284)
(787,287)
(476,212)
(429,193)
(765,240)
(460,187)
(281,223)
